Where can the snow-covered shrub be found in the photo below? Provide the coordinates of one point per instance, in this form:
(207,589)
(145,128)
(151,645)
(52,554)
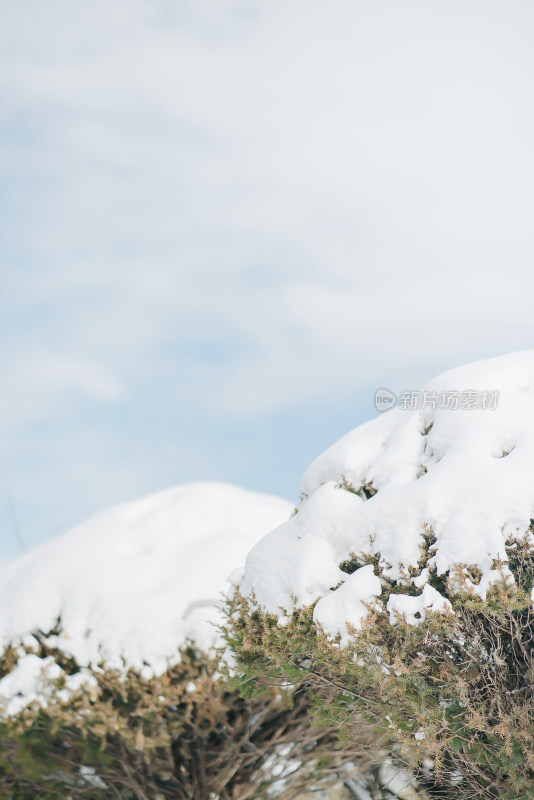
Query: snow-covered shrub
(453,685)
(110,672)
(402,588)
(184,734)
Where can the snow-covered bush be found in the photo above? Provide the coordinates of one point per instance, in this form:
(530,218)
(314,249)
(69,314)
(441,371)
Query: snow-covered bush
(182,735)
(402,588)
(111,681)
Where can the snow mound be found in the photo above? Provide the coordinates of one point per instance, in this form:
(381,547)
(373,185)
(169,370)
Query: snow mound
(459,465)
(133,583)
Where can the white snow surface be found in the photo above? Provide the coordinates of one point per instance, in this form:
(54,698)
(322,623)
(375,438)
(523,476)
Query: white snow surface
(132,583)
(413,609)
(468,474)
(345,607)
(33,680)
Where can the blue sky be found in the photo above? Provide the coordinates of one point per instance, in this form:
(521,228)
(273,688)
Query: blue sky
(224,224)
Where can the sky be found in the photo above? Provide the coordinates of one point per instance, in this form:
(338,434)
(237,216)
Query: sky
(224,224)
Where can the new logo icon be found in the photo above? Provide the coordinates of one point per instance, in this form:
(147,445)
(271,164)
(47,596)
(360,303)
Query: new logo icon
(384,399)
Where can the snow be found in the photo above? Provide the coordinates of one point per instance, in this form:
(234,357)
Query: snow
(33,679)
(89,776)
(465,474)
(414,609)
(398,781)
(131,584)
(27,681)
(345,607)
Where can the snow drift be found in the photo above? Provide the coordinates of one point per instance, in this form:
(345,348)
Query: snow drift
(133,583)
(462,470)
